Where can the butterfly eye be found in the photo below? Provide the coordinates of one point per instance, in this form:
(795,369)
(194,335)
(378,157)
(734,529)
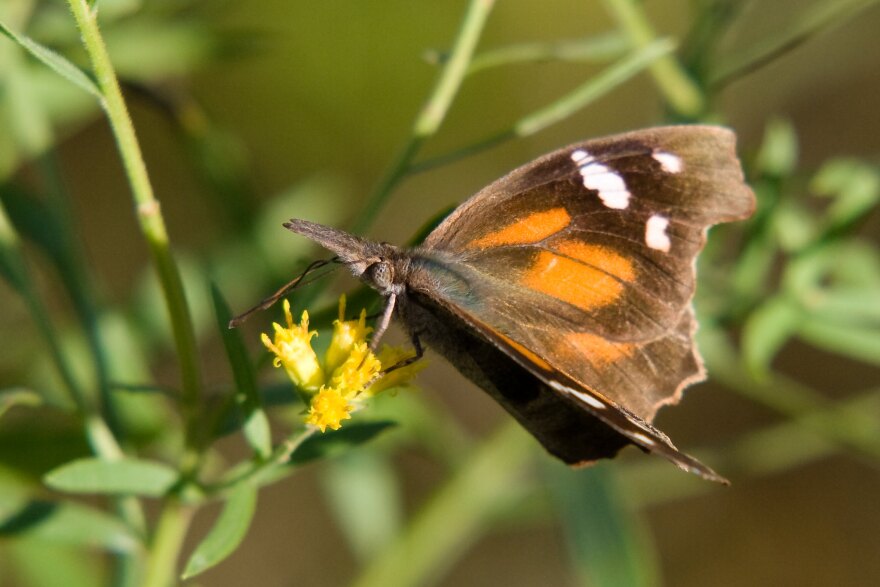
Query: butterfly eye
(380,275)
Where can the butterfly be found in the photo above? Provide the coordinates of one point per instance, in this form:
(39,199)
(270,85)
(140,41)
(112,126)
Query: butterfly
(564,288)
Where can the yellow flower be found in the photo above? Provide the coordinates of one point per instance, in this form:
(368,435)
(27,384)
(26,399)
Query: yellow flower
(351,373)
(357,371)
(346,333)
(293,349)
(388,357)
(328,409)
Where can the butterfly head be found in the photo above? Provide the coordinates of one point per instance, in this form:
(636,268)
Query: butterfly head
(380,265)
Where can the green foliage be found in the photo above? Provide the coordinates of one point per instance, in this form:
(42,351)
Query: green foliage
(125,476)
(227,533)
(802,271)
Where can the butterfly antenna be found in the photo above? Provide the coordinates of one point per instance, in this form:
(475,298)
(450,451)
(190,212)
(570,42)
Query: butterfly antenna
(268,302)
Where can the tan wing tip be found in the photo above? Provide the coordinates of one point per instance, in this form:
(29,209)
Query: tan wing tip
(691,465)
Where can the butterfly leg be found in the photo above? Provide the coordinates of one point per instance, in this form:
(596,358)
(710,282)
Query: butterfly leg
(383,323)
(420,352)
(382,326)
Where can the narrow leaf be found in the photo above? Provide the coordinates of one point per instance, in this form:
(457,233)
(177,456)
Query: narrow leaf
(125,476)
(857,342)
(606,542)
(364,496)
(65,523)
(55,61)
(18,396)
(227,533)
(779,150)
(855,187)
(844,305)
(767,330)
(256,424)
(337,442)
(36,562)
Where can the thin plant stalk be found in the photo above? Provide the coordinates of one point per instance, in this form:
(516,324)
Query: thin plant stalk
(680,91)
(151,222)
(433,112)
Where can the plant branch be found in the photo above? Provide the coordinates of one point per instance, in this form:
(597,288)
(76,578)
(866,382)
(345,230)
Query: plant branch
(433,112)
(678,88)
(816,19)
(582,96)
(151,222)
(161,568)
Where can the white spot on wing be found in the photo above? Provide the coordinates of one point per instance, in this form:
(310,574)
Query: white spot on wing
(611,187)
(669,162)
(584,397)
(580,156)
(655,233)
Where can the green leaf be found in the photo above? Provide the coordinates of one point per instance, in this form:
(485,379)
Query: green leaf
(125,476)
(55,61)
(806,272)
(795,226)
(767,330)
(844,305)
(256,424)
(18,396)
(779,150)
(64,523)
(227,533)
(36,562)
(336,442)
(364,496)
(858,264)
(858,342)
(855,187)
(605,539)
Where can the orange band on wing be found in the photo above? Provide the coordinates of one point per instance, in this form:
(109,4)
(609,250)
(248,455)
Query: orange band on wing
(599,350)
(593,279)
(531,229)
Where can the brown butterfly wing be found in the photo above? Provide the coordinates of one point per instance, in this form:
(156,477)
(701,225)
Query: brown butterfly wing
(571,422)
(560,257)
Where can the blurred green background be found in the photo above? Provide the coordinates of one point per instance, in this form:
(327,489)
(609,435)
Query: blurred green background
(249,113)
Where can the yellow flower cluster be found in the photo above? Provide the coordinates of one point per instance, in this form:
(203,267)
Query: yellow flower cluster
(350,372)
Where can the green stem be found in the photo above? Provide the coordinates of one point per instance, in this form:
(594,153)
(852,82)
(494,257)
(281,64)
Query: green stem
(457,513)
(433,112)
(814,20)
(681,92)
(151,222)
(257,472)
(562,108)
(592,49)
(167,542)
